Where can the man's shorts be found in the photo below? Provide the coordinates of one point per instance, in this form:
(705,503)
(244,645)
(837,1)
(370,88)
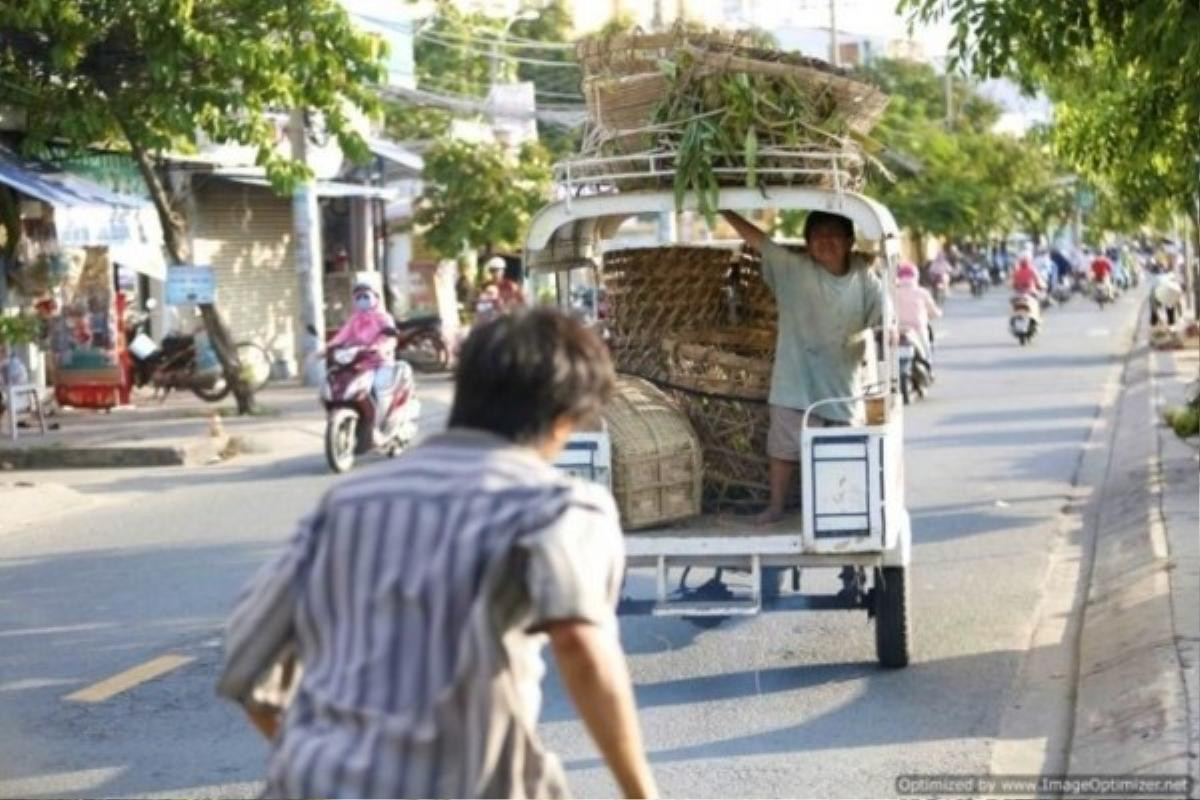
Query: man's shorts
(783,435)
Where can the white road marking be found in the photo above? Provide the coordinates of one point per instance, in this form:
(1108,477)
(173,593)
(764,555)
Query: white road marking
(1097,333)
(123,681)
(33,683)
(64,784)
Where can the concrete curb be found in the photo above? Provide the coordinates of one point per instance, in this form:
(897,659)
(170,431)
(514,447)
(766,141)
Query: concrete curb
(1131,711)
(201,451)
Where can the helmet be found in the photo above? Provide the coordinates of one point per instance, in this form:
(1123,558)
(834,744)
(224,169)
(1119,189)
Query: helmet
(495,263)
(362,287)
(906,272)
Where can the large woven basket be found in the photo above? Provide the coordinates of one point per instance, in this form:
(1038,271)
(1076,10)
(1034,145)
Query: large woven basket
(657,465)
(623,82)
(730,362)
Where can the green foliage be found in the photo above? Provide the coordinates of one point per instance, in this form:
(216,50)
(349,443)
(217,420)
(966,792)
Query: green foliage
(961,180)
(157,73)
(1122,75)
(479,196)
(19,329)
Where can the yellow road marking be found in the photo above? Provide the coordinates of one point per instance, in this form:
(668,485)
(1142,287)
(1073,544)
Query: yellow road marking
(109,687)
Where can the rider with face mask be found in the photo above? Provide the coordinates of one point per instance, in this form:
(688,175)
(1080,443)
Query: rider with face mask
(369,327)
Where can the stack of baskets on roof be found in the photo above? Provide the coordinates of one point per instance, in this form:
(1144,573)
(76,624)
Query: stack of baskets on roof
(700,323)
(718,111)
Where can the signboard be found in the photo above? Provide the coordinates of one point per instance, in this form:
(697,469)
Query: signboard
(191,285)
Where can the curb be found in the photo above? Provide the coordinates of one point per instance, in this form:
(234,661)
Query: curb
(1131,709)
(203,451)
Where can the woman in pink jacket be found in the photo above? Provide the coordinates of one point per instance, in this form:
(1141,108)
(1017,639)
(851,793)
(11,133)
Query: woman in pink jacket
(915,308)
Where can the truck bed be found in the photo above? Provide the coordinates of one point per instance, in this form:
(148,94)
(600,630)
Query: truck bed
(715,535)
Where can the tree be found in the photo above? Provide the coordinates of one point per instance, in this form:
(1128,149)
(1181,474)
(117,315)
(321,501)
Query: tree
(157,75)
(1122,74)
(480,196)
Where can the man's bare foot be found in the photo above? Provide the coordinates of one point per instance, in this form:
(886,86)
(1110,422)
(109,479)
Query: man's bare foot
(768,517)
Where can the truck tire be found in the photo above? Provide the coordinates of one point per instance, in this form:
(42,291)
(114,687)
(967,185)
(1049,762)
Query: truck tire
(892,629)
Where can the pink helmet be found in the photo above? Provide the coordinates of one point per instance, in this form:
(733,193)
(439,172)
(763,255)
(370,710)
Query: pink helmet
(906,272)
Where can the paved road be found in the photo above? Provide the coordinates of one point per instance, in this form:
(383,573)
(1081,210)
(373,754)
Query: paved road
(779,705)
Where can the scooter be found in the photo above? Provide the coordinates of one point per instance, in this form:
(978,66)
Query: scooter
(1025,318)
(940,286)
(1063,290)
(978,277)
(361,418)
(1103,293)
(915,374)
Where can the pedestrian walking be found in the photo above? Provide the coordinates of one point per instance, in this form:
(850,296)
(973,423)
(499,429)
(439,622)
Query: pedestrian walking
(418,600)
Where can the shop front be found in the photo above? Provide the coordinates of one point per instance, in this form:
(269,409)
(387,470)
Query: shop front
(70,250)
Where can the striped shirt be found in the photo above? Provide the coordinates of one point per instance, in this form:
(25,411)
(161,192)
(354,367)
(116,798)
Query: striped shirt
(413,598)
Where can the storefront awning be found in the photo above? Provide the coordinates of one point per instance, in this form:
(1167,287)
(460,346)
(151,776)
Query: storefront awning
(86,214)
(326,188)
(397,154)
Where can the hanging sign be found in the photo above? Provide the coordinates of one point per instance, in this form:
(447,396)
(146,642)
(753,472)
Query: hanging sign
(191,285)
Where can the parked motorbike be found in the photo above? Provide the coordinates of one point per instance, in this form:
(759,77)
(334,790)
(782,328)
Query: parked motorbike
(1025,318)
(420,342)
(187,361)
(915,373)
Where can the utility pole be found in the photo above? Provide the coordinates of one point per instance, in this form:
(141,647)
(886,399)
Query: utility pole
(306,239)
(833,40)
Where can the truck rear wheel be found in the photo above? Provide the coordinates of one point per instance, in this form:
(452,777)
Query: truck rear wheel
(892,629)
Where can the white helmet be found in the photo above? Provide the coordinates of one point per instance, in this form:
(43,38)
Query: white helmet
(494,263)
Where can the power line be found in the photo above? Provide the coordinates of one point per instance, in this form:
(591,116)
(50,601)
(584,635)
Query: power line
(508,41)
(495,56)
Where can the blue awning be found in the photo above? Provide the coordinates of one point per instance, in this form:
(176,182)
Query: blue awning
(87,214)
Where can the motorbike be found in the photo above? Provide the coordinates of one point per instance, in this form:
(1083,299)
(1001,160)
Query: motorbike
(187,361)
(915,373)
(1103,293)
(362,417)
(940,286)
(1025,318)
(979,280)
(420,342)
(1063,290)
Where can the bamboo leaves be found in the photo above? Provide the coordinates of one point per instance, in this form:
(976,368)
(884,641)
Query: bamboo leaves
(723,124)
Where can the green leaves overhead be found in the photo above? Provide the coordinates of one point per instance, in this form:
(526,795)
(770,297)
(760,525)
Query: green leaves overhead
(480,196)
(1122,75)
(158,74)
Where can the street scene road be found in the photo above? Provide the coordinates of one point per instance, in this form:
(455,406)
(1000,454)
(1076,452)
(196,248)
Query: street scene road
(546,398)
(783,704)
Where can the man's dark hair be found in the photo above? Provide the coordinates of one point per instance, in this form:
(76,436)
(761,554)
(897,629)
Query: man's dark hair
(820,219)
(519,373)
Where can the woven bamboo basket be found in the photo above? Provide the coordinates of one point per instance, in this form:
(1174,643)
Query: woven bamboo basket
(623,82)
(731,362)
(657,464)
(715,300)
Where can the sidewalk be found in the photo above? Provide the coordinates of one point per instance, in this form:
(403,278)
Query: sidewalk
(181,431)
(1136,694)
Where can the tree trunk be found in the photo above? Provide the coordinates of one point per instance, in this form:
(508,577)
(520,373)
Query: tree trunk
(175,238)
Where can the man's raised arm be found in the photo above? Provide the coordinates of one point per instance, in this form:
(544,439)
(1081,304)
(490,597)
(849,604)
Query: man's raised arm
(749,232)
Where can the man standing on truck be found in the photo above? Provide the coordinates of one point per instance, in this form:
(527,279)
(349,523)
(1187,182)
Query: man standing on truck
(827,297)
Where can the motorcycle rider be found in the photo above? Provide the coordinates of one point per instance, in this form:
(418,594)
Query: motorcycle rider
(371,328)
(507,291)
(940,271)
(1026,279)
(915,307)
(1102,269)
